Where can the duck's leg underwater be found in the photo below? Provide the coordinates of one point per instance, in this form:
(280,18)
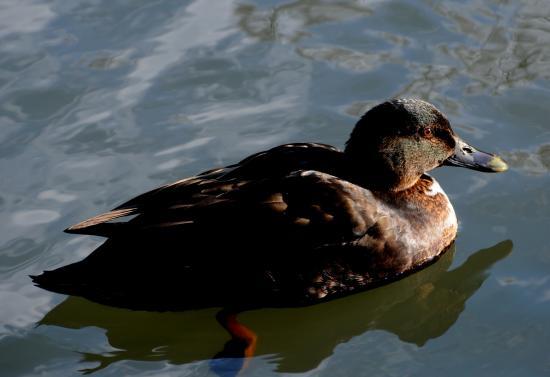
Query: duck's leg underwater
(238,351)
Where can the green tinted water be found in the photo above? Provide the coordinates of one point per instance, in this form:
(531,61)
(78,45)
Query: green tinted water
(100,101)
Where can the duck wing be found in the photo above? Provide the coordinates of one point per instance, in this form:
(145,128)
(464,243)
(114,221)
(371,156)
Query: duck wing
(308,208)
(268,194)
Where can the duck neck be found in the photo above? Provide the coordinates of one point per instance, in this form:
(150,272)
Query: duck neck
(376,173)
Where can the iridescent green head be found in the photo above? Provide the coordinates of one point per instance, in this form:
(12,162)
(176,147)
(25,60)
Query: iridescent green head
(399,140)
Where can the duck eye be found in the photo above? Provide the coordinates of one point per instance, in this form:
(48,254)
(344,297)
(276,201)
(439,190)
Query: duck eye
(427,131)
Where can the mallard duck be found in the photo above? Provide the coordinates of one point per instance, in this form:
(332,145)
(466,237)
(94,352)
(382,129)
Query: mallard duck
(294,225)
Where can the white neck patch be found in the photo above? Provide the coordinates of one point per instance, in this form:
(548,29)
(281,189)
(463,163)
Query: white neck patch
(435,189)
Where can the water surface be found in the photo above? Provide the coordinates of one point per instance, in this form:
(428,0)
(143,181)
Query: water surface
(100,101)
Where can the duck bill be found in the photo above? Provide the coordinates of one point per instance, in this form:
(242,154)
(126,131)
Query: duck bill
(467,156)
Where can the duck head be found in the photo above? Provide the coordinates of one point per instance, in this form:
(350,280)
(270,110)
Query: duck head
(401,139)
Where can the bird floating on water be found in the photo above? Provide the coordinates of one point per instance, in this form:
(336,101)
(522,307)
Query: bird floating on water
(294,225)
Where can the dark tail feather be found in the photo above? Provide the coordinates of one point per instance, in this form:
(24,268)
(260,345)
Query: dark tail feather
(76,280)
(67,280)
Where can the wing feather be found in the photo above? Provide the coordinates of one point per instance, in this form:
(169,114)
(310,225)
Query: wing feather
(91,225)
(268,193)
(334,210)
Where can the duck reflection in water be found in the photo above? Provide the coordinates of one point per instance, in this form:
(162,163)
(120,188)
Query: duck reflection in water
(433,299)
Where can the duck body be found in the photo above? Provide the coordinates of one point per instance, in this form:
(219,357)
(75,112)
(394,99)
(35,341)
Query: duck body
(294,225)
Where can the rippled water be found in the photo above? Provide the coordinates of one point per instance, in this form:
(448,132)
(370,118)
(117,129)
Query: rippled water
(102,100)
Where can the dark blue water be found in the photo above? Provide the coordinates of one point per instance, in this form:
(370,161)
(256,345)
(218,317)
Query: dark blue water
(100,101)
